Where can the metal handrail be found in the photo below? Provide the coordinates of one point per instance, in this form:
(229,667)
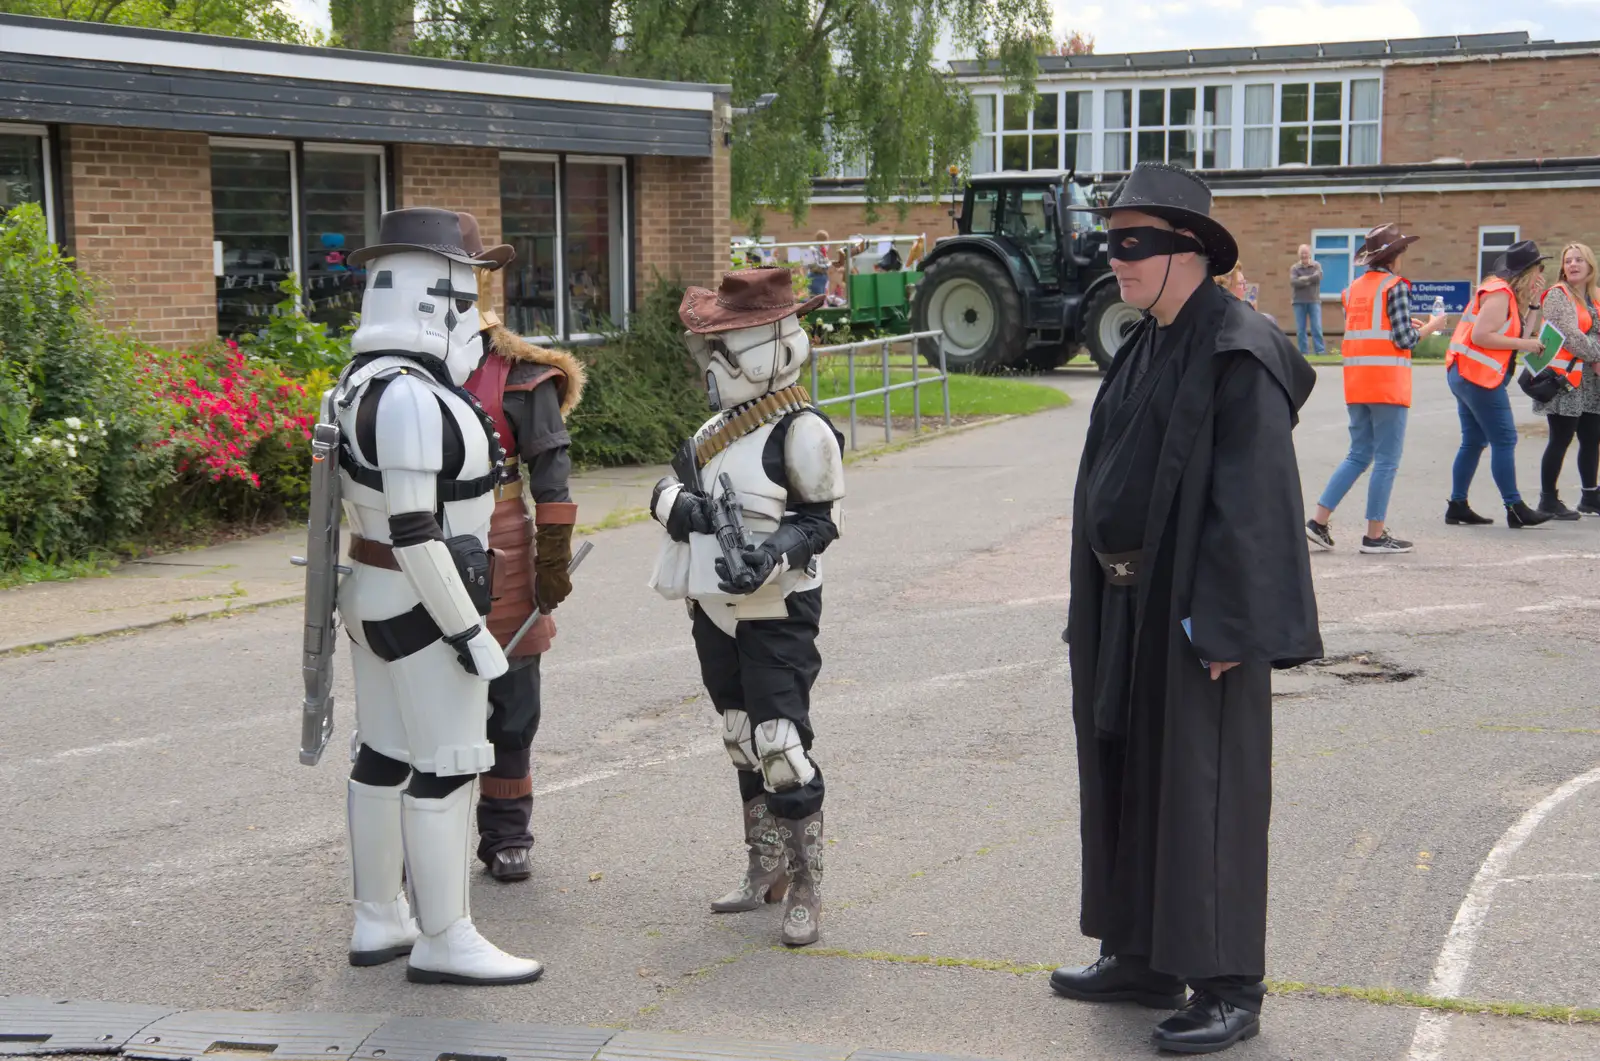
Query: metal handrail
(916,382)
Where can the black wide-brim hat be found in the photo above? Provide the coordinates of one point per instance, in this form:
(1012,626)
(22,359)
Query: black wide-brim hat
(1518,257)
(419,228)
(1179,198)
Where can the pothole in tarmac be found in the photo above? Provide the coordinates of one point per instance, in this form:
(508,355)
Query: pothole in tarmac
(1352,668)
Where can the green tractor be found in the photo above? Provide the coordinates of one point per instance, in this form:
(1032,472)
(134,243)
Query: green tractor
(1024,283)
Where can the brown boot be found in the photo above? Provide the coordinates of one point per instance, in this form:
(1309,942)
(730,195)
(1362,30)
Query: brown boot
(764,879)
(802,914)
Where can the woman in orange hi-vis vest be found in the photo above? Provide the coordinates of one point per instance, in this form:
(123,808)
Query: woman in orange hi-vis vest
(1379,335)
(1482,354)
(1572,307)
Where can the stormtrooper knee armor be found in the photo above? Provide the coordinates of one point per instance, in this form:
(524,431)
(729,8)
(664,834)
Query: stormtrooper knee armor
(418,469)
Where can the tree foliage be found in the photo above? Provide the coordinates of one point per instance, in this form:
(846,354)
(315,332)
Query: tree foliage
(855,79)
(258,19)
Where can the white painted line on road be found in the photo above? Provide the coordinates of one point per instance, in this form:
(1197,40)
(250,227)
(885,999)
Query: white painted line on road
(1563,604)
(621,657)
(1455,957)
(625,766)
(1384,570)
(979,673)
(88,750)
(1534,878)
(1422,609)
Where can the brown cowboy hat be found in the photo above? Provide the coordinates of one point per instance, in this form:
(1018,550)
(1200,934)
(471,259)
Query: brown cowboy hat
(495,257)
(747,298)
(1383,243)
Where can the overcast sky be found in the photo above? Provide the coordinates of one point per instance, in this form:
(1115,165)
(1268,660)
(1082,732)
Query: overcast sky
(1152,25)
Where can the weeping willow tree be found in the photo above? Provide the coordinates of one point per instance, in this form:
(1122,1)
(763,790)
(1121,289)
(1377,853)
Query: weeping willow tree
(257,19)
(854,79)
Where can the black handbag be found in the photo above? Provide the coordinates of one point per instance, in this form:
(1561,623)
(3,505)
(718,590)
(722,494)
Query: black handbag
(1542,386)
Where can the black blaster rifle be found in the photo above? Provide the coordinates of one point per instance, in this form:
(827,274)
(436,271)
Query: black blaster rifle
(729,524)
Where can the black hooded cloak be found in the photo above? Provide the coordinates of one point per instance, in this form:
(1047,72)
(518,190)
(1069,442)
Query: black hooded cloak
(1174,769)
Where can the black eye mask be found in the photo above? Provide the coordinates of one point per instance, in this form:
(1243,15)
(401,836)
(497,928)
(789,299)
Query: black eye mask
(1146,241)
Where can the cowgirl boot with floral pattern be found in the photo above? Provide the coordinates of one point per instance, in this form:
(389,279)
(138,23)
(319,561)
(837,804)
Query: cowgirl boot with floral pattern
(802,913)
(764,879)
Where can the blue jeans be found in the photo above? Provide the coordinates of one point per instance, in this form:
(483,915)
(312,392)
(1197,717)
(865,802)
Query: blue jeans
(1377,435)
(1308,317)
(1485,421)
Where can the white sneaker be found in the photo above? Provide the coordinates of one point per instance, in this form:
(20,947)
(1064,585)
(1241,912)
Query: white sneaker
(459,955)
(383,932)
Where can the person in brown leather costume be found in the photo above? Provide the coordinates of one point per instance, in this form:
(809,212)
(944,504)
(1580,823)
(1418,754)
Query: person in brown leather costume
(527,390)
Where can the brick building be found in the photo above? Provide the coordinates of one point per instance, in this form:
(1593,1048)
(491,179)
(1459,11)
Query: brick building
(1469,142)
(192,174)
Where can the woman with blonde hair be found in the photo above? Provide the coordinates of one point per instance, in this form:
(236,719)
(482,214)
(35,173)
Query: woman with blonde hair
(1482,355)
(1572,307)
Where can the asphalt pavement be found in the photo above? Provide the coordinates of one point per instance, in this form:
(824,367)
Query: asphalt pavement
(1435,821)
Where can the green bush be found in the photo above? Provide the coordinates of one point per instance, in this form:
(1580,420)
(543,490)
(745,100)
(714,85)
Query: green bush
(294,343)
(76,470)
(644,395)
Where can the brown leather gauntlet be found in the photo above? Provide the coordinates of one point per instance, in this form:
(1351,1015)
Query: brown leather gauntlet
(553,547)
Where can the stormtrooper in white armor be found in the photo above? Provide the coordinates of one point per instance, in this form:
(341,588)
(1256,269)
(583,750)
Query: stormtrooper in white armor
(417,474)
(751,572)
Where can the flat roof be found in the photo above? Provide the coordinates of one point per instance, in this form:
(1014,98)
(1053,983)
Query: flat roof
(81,73)
(1333,52)
(98,42)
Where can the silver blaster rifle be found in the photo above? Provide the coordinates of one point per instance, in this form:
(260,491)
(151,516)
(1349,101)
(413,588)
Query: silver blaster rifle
(322,584)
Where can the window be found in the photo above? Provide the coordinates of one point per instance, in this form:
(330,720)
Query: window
(1030,139)
(342,199)
(1166,126)
(568,222)
(985,210)
(1257,126)
(1077,119)
(253,223)
(25,170)
(983,152)
(1310,124)
(1364,97)
(1118,125)
(1216,139)
(596,259)
(1335,250)
(529,219)
(1492,243)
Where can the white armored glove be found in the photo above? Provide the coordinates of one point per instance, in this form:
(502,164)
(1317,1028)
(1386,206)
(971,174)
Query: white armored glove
(479,653)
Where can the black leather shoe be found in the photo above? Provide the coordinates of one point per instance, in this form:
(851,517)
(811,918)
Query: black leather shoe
(1520,515)
(1204,1026)
(1459,514)
(1110,980)
(511,864)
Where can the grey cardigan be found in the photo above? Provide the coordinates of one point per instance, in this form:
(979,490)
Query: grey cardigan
(1585,346)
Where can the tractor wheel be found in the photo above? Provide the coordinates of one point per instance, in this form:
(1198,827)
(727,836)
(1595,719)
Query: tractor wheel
(971,298)
(1106,324)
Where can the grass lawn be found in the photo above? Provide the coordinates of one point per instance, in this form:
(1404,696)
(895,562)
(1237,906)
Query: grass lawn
(970,396)
(1430,349)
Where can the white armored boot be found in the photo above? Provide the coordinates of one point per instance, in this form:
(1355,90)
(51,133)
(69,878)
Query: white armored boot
(450,950)
(384,929)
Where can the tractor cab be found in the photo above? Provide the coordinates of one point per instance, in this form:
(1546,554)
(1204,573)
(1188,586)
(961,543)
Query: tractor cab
(1025,281)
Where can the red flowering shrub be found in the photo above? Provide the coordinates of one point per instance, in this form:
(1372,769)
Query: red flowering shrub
(239,444)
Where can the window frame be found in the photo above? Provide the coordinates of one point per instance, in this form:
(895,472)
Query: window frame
(626,228)
(1484,230)
(1354,239)
(559,257)
(1239,85)
(47,143)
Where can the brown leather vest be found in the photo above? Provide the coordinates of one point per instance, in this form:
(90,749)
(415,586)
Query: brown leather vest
(511,527)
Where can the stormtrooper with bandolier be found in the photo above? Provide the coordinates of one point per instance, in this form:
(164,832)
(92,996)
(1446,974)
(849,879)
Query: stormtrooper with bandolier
(748,512)
(418,466)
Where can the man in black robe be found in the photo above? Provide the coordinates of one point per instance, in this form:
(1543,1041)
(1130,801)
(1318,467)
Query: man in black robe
(1190,582)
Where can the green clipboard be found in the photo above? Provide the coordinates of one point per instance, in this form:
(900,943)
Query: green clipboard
(1553,342)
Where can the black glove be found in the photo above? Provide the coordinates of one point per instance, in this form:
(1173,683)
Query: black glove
(788,542)
(691,511)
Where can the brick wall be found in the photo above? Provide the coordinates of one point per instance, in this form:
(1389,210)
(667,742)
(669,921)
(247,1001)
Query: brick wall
(454,178)
(682,227)
(1478,111)
(139,220)
(1271,228)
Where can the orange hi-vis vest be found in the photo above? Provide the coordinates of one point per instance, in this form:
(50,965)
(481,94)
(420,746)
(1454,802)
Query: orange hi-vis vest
(1486,368)
(1566,363)
(1376,371)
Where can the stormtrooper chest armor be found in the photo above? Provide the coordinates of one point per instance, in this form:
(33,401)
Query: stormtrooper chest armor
(462,451)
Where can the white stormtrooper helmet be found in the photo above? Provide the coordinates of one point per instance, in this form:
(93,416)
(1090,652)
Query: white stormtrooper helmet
(418,302)
(421,298)
(744,364)
(746,335)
